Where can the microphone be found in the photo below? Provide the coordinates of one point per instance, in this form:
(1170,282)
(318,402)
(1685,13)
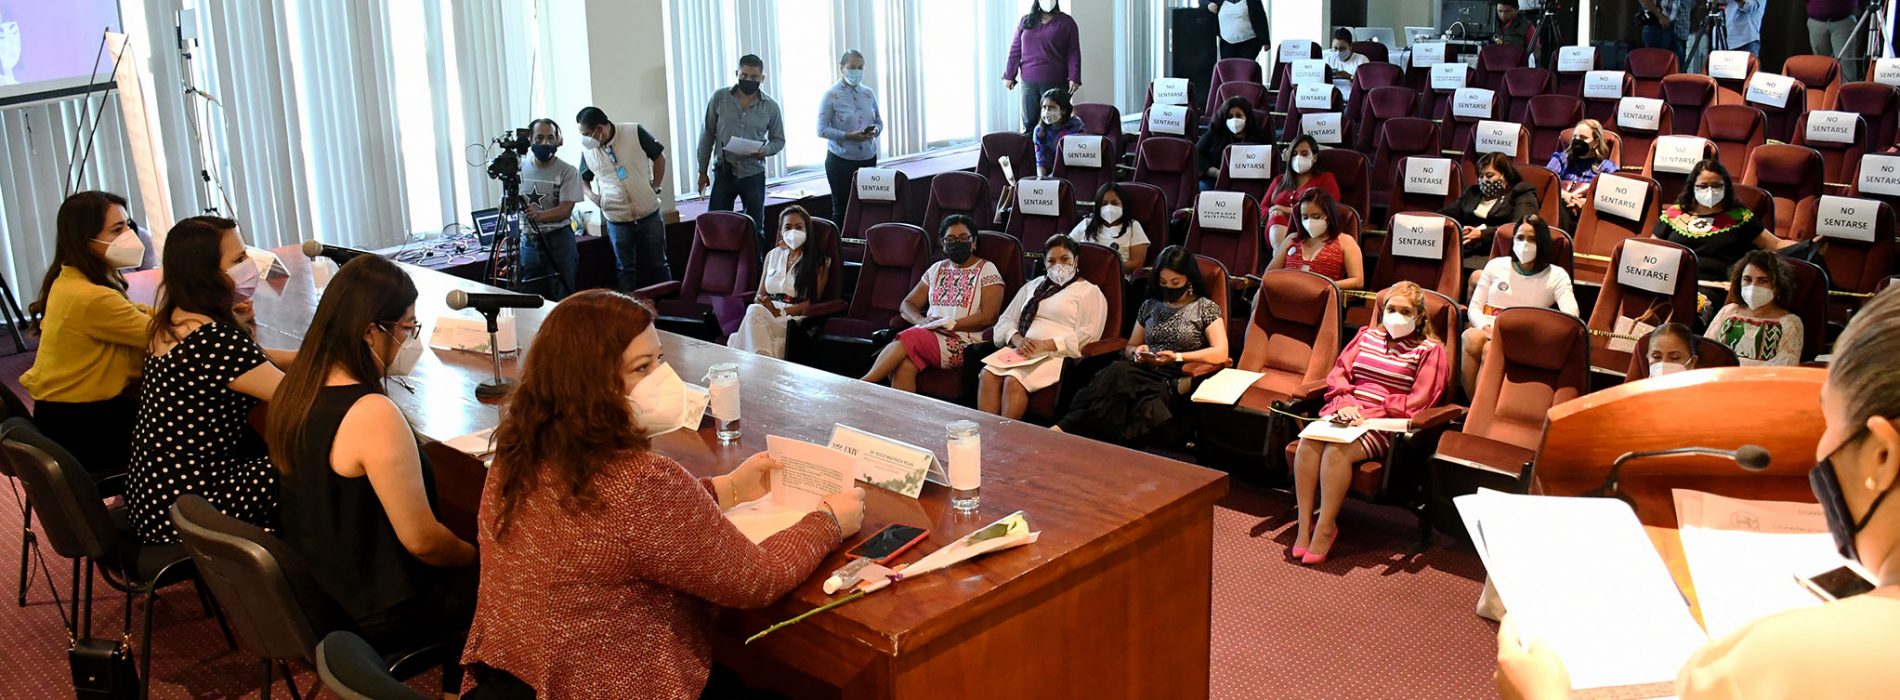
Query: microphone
(1751,458)
(488,303)
(342,255)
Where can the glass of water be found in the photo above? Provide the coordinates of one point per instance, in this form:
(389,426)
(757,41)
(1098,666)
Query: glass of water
(724,386)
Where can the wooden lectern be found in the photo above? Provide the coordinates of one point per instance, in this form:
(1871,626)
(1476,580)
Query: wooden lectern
(1778,408)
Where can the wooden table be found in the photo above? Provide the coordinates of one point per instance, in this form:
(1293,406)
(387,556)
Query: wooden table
(1114,599)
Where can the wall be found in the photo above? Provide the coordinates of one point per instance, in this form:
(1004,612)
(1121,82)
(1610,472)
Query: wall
(626,52)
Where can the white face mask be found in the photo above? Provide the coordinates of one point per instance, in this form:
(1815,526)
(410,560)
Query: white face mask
(589,143)
(1051,117)
(1708,196)
(1661,369)
(244,277)
(1343,54)
(658,400)
(1047,5)
(1111,213)
(406,358)
(1315,227)
(1060,273)
(1235,124)
(1301,164)
(1526,251)
(125,251)
(1399,325)
(794,238)
(1757,297)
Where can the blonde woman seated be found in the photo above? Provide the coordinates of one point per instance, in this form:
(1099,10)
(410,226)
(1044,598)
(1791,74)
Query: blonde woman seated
(1051,318)
(1392,370)
(793,276)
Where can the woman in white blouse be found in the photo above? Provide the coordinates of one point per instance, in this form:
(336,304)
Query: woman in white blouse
(793,275)
(1051,318)
(1526,278)
(1109,225)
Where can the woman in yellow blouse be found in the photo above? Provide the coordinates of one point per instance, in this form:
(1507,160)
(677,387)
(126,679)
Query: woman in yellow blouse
(1843,649)
(92,337)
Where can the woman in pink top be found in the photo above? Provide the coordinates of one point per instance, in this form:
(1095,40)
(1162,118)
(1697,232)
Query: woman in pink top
(1392,370)
(602,560)
(1303,175)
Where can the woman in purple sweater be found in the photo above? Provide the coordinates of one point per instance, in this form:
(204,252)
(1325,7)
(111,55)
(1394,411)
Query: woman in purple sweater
(1047,52)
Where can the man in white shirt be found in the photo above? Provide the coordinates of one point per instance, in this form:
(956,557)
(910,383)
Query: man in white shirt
(551,187)
(1342,59)
(624,166)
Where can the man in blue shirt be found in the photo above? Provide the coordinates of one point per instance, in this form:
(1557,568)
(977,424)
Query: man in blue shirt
(738,169)
(849,121)
(1744,24)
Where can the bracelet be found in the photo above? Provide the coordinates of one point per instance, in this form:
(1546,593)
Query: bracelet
(833,515)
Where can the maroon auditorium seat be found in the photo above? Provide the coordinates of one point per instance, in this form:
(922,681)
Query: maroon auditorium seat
(1381,104)
(997,145)
(1820,74)
(1549,116)
(1310,98)
(1620,298)
(1044,207)
(959,192)
(1104,120)
(1601,229)
(1226,70)
(1374,52)
(878,195)
(1254,93)
(1446,78)
(1522,84)
(1087,162)
(1354,173)
(1602,92)
(1146,204)
(1639,132)
(1467,107)
(1247,169)
(1494,60)
(1764,89)
(1436,184)
(1399,138)
(1688,94)
(1649,67)
(723,265)
(1879,105)
(1168,163)
(1571,65)
(1854,264)
(895,257)
(1840,137)
(1369,77)
(1226,227)
(1736,130)
(1669,159)
(1729,87)
(1792,174)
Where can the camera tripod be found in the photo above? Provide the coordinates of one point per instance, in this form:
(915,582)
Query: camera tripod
(1712,37)
(1872,30)
(1546,34)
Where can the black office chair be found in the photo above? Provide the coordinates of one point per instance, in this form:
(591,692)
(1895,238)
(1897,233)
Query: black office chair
(79,527)
(353,670)
(12,407)
(276,605)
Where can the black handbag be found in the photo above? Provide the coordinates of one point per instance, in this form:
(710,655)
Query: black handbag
(102,668)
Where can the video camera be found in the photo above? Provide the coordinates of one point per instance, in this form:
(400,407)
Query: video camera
(506,167)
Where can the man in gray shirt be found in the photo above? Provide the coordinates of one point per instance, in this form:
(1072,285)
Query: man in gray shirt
(551,187)
(741,112)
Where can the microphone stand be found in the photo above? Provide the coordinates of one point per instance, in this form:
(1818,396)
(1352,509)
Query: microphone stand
(1611,487)
(496,387)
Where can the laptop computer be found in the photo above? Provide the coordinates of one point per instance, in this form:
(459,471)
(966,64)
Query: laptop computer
(487,221)
(1381,35)
(1416,35)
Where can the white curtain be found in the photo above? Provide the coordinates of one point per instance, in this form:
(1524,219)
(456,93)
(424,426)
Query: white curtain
(495,63)
(37,142)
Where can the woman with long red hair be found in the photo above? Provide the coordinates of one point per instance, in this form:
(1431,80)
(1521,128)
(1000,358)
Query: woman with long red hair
(602,560)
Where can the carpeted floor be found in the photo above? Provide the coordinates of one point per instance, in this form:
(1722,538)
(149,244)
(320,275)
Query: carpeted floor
(1371,622)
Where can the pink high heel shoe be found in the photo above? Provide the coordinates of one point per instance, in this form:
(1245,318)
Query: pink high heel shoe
(1311,557)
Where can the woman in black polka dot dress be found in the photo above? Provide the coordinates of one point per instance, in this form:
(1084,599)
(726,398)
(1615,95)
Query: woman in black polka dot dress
(203,375)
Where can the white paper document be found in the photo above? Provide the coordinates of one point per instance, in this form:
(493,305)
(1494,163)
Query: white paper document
(743,146)
(807,474)
(1325,430)
(885,463)
(1744,555)
(1581,575)
(1226,386)
(479,444)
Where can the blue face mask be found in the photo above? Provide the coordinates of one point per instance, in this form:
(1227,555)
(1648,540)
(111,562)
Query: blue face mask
(542,152)
(854,76)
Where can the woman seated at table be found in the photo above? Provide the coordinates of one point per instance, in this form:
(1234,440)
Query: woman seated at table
(1392,370)
(1672,349)
(1755,323)
(603,561)
(1839,649)
(1177,323)
(358,492)
(1320,247)
(1707,219)
(1577,165)
(1110,225)
(1051,319)
(204,372)
(1500,197)
(84,379)
(1525,278)
(950,307)
(1303,175)
(794,275)
(1233,124)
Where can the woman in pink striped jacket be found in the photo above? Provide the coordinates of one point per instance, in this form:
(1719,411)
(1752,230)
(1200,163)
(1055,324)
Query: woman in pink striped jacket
(1392,370)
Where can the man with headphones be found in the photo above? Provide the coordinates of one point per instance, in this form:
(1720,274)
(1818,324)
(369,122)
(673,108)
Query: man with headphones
(551,187)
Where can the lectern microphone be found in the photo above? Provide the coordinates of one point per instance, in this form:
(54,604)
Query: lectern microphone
(487,302)
(1752,458)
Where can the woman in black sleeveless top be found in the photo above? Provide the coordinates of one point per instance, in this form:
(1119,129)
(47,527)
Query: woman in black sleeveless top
(358,495)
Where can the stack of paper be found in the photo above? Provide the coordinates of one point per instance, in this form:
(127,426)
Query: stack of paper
(1581,575)
(1226,386)
(1325,430)
(1744,555)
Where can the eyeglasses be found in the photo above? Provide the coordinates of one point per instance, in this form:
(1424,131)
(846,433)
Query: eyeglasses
(407,331)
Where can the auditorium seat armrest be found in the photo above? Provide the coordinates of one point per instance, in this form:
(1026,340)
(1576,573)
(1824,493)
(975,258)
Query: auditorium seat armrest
(825,309)
(1104,347)
(1309,391)
(663,290)
(1201,369)
(1437,417)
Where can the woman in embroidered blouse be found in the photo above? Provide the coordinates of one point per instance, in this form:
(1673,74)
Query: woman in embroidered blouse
(1058,120)
(603,562)
(1755,323)
(1233,124)
(793,276)
(1303,175)
(1707,219)
(1052,318)
(947,310)
(1577,165)
(1109,225)
(1132,397)
(1319,246)
(1392,370)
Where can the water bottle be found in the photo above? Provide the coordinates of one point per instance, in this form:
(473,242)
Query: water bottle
(966,466)
(724,386)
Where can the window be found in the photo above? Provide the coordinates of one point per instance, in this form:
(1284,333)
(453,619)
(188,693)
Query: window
(950,84)
(806,66)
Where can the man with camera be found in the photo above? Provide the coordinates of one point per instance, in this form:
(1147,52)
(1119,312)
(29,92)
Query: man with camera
(743,128)
(624,166)
(1665,24)
(550,187)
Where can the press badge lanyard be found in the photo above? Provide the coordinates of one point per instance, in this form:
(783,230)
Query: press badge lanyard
(620,171)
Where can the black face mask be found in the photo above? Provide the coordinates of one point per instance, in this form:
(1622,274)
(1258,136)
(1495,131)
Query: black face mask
(1173,294)
(1840,519)
(1579,148)
(1491,189)
(749,87)
(959,251)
